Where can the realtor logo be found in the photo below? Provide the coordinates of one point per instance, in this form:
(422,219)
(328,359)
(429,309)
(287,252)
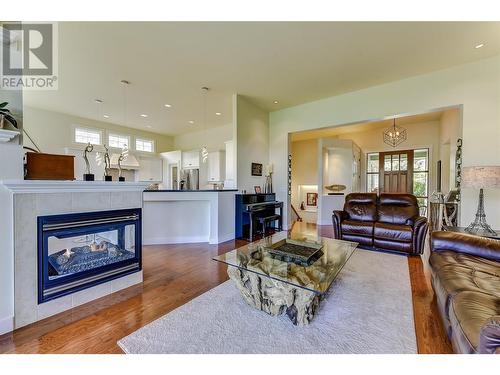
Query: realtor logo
(29,56)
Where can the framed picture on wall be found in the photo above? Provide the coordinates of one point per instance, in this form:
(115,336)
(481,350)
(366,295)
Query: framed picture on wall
(312,199)
(256,169)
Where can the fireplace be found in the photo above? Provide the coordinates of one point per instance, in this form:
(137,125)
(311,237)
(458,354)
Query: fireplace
(78,251)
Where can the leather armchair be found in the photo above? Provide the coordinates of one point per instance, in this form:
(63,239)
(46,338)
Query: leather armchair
(466,281)
(389,223)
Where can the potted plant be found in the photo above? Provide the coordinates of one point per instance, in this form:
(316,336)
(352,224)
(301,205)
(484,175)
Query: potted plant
(6,115)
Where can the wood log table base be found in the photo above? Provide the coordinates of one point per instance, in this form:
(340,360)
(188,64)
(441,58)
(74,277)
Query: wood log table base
(275,297)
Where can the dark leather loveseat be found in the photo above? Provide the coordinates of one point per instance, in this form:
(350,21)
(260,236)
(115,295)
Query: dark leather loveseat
(466,281)
(389,222)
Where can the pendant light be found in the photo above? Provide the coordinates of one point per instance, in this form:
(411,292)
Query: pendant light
(204,149)
(394,135)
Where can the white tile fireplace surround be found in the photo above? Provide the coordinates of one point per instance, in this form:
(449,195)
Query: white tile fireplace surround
(21,203)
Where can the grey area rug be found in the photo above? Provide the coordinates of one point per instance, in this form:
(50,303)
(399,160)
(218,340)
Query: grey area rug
(368,310)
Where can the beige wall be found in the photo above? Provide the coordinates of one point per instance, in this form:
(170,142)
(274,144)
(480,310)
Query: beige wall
(53,131)
(213,138)
(475,86)
(252,143)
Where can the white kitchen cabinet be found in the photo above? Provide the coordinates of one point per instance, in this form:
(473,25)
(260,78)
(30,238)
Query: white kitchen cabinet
(216,166)
(190,159)
(151,169)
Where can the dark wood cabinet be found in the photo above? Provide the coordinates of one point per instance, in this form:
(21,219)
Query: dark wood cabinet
(41,166)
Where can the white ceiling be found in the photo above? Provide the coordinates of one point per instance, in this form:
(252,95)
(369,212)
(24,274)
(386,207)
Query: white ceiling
(293,62)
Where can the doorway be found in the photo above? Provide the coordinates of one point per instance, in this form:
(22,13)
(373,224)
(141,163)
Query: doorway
(411,169)
(396,172)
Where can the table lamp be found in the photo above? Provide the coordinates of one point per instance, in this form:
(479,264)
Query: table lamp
(479,178)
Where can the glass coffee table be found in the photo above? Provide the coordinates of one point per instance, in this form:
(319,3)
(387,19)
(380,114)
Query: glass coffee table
(276,286)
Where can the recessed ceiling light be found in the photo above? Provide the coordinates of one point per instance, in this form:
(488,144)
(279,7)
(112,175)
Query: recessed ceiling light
(168,105)
(105,116)
(479,45)
(99,101)
(144,115)
(275,102)
(218,113)
(191,121)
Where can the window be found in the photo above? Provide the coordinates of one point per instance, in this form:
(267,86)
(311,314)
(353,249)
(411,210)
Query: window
(372,172)
(421,178)
(118,141)
(145,145)
(84,135)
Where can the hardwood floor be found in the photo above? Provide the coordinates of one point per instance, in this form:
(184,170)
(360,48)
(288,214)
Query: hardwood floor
(173,275)
(431,337)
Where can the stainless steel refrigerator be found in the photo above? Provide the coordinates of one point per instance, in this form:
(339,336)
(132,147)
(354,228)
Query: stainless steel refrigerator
(190,179)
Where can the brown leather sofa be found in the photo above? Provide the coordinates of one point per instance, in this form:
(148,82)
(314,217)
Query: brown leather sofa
(466,281)
(389,222)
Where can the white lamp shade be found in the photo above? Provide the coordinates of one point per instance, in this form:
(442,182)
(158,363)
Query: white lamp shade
(481,177)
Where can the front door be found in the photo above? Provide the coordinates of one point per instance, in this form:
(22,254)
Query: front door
(396,172)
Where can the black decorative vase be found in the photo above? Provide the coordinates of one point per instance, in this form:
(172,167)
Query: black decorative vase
(88,177)
(108,178)
(121,179)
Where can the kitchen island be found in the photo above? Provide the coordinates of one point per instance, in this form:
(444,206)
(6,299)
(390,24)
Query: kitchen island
(188,216)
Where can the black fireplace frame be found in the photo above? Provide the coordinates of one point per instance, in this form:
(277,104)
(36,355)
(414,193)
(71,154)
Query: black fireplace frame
(83,223)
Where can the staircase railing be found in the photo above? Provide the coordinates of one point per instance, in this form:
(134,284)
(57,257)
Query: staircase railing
(295,213)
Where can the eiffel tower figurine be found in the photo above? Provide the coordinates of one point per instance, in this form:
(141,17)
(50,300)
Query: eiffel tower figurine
(479,224)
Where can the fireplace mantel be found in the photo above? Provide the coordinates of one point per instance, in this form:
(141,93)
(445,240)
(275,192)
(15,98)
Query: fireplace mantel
(41,186)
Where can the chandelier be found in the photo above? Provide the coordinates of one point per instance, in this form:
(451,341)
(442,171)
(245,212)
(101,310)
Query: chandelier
(394,135)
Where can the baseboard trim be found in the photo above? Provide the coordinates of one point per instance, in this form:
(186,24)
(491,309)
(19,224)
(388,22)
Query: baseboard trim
(6,325)
(221,238)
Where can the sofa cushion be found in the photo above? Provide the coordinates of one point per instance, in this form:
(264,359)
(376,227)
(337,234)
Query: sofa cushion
(469,311)
(361,206)
(383,244)
(397,208)
(454,278)
(366,242)
(393,232)
(459,278)
(359,228)
(445,258)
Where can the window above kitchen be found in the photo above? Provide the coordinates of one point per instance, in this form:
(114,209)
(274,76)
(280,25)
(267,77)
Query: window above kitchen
(145,145)
(118,141)
(87,135)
